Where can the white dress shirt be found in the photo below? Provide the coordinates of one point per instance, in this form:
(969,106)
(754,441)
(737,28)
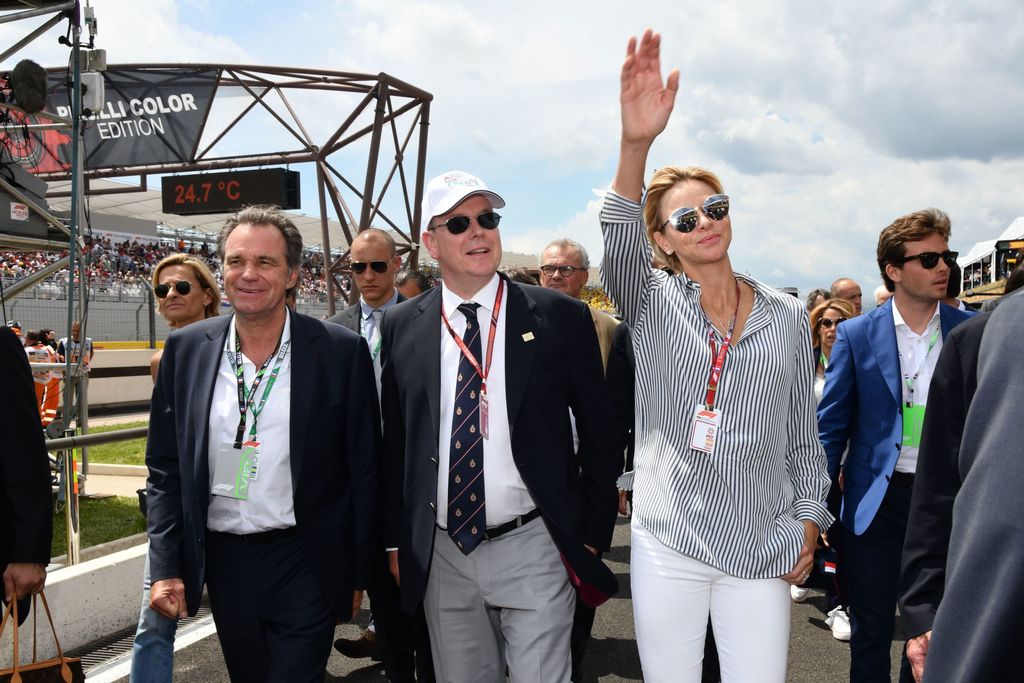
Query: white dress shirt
(369,329)
(270,504)
(505,492)
(913,350)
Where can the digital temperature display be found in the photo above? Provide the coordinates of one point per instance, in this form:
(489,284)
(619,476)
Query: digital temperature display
(205,193)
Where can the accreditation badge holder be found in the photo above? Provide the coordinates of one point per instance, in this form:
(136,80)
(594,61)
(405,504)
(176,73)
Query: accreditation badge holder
(913,423)
(704,429)
(234,469)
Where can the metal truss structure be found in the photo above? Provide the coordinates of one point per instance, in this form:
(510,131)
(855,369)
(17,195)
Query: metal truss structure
(385,119)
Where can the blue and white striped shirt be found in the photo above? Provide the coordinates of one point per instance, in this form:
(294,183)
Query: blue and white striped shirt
(739,509)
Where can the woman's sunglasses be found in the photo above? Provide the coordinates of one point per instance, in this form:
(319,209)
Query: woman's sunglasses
(930,259)
(715,207)
(827,323)
(459,224)
(182,287)
(359,267)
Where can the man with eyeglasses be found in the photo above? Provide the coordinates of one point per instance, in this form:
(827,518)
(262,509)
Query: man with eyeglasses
(564,267)
(876,391)
(399,640)
(489,521)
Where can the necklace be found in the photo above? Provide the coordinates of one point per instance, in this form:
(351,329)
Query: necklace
(722,326)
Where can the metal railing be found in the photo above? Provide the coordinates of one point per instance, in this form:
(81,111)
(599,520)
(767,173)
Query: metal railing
(66,467)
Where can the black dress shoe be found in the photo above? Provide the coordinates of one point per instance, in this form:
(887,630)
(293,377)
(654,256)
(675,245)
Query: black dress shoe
(364,646)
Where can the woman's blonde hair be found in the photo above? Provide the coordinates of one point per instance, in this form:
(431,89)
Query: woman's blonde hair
(663,180)
(841,305)
(203,275)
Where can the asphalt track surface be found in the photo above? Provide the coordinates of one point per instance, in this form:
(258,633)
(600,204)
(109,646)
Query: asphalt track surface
(814,655)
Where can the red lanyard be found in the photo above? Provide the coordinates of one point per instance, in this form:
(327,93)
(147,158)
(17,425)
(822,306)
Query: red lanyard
(718,355)
(490,342)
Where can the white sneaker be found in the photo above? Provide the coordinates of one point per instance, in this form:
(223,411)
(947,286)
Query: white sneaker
(799,593)
(839,622)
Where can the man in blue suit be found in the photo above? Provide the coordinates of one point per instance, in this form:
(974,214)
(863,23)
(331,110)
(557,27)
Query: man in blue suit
(876,391)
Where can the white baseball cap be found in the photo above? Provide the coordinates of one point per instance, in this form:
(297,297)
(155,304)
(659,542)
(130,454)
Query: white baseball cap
(446,191)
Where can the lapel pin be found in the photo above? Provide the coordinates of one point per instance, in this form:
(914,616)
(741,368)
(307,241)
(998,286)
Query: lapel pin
(528,337)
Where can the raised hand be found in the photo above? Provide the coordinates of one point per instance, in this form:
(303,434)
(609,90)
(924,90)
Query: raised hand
(646,101)
(646,104)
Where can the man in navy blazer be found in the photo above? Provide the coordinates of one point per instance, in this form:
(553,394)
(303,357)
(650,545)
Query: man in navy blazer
(872,411)
(495,565)
(276,511)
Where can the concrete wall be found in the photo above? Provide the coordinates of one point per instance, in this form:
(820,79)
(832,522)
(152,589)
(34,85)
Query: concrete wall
(88,601)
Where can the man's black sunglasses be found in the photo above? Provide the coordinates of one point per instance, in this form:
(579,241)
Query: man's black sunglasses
(930,259)
(715,207)
(459,224)
(182,287)
(359,267)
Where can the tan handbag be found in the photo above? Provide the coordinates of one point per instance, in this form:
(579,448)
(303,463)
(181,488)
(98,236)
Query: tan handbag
(60,669)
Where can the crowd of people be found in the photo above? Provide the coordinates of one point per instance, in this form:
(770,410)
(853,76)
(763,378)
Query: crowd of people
(128,265)
(461,451)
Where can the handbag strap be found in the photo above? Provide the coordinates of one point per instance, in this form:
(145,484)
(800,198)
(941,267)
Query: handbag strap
(12,608)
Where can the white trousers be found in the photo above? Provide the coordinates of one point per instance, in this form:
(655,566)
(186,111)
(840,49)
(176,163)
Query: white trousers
(672,596)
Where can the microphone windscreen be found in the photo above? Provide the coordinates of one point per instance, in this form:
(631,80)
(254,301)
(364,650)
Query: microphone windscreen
(28,81)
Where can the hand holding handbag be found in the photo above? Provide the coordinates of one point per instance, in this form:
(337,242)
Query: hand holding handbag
(59,669)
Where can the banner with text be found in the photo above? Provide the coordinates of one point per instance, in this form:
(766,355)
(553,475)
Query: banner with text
(149,116)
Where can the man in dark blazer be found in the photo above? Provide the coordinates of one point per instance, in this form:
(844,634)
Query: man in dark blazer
(489,518)
(876,390)
(26,504)
(976,635)
(276,511)
(399,639)
(936,485)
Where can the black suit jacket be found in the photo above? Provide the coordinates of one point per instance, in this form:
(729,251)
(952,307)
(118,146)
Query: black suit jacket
(938,479)
(334,443)
(350,316)
(621,379)
(557,368)
(26,505)
(977,632)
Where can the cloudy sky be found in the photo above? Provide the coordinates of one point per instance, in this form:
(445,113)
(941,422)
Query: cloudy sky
(824,120)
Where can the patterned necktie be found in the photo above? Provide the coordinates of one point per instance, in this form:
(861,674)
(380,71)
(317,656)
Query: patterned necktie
(467,520)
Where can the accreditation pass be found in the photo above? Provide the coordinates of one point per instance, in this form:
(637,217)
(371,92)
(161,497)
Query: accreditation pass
(704,429)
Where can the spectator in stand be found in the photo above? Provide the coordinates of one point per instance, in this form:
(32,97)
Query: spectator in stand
(186,293)
(882,294)
(816,298)
(729,488)
(845,288)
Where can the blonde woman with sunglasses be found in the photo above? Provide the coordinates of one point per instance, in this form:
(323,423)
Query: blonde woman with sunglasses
(730,478)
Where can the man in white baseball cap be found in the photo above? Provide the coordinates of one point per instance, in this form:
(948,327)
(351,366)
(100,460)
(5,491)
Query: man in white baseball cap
(490,520)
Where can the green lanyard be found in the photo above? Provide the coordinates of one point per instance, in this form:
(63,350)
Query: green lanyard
(907,379)
(824,361)
(247,398)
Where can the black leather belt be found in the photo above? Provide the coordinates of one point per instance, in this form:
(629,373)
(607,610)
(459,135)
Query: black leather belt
(902,479)
(493,532)
(262,536)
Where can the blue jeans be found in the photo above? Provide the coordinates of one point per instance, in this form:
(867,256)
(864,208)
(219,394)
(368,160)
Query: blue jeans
(153,650)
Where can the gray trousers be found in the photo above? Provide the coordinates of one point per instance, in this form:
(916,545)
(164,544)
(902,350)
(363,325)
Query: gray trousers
(509,601)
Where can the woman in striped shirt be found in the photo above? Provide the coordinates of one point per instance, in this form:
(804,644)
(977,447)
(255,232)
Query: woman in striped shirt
(730,478)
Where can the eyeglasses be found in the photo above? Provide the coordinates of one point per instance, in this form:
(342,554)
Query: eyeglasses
(459,224)
(182,287)
(359,267)
(684,219)
(827,323)
(564,271)
(930,259)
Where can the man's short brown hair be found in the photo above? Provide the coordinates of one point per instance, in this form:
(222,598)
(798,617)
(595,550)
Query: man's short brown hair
(910,228)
